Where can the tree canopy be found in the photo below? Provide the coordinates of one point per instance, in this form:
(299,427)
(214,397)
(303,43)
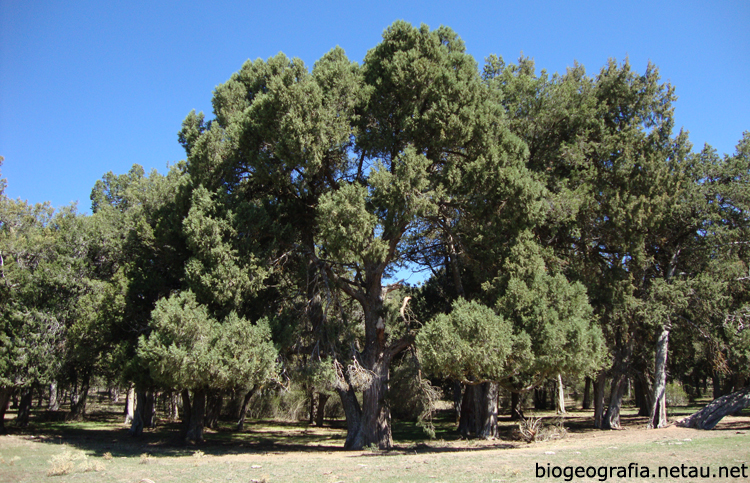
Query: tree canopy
(567,231)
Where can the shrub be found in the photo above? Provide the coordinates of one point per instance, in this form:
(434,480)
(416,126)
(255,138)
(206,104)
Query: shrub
(675,395)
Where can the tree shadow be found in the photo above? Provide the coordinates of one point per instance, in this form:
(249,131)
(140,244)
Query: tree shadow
(104,432)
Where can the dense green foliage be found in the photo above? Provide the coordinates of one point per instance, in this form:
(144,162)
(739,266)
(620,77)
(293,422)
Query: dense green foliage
(567,231)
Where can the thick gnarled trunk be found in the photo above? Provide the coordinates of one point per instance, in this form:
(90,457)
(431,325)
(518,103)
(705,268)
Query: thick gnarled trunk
(611,418)
(479,411)
(709,416)
(376,413)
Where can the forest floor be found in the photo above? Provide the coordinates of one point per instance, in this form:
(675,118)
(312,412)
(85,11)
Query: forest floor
(100,450)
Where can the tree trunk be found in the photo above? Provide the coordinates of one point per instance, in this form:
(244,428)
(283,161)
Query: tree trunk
(54,399)
(186,410)
(311,415)
(321,414)
(198,412)
(468,413)
(487,421)
(612,415)
(130,405)
(174,412)
(540,398)
(457,398)
(586,393)
(601,380)
(697,384)
(709,416)
(245,405)
(455,269)
(214,403)
(143,413)
(78,405)
(24,407)
(658,411)
(5,395)
(716,381)
(479,411)
(136,423)
(560,397)
(376,358)
(353,413)
(619,372)
(149,409)
(516,406)
(376,414)
(643,394)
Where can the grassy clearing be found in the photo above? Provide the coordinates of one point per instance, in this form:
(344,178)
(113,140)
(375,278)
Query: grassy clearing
(99,450)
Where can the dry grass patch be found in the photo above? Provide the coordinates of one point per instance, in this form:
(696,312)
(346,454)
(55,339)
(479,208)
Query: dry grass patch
(534,430)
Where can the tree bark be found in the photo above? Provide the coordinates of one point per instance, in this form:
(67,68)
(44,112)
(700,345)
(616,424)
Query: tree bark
(353,413)
(245,405)
(311,412)
(586,393)
(516,409)
(376,414)
(198,412)
(78,405)
(149,409)
(488,411)
(54,397)
(612,415)
(560,397)
(186,409)
(601,380)
(5,395)
(24,407)
(174,412)
(478,415)
(658,411)
(214,403)
(321,414)
(130,405)
(468,414)
(709,416)
(136,423)
(716,381)
(643,394)
(457,398)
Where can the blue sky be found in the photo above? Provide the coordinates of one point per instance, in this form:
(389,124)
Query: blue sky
(88,87)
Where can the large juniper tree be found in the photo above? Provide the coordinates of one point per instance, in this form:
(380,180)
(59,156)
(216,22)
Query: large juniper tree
(357,164)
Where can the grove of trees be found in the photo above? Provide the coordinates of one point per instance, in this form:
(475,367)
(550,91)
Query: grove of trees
(565,231)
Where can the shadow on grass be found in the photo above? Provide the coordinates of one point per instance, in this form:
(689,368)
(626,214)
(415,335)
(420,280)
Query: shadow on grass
(103,432)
